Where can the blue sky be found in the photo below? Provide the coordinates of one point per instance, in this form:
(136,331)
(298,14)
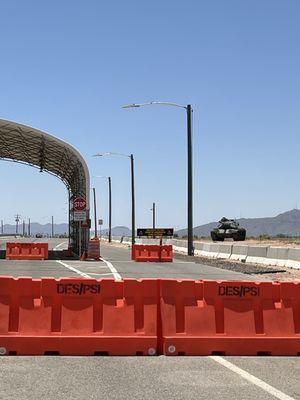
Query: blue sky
(67,67)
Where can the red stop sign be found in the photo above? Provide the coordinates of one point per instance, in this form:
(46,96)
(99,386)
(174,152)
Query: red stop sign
(79,204)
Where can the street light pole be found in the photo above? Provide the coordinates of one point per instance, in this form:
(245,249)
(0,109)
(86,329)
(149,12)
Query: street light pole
(95,211)
(109,205)
(190,180)
(132,188)
(189,112)
(109,209)
(29,227)
(132,201)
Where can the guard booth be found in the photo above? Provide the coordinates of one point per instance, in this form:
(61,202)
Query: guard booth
(26,145)
(157,252)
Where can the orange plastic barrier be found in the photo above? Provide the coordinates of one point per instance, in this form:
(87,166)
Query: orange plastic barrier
(230,318)
(94,249)
(166,254)
(146,317)
(150,252)
(78,316)
(26,251)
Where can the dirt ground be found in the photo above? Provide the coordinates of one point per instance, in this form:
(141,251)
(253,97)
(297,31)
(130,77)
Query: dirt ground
(268,271)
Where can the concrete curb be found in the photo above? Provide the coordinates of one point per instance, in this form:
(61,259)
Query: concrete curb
(225,251)
(267,255)
(239,252)
(257,254)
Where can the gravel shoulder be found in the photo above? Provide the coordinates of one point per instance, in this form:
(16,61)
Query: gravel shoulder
(268,271)
(271,272)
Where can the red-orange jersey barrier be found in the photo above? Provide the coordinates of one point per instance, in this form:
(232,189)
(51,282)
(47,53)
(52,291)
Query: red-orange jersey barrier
(153,253)
(147,317)
(230,318)
(78,316)
(26,251)
(166,253)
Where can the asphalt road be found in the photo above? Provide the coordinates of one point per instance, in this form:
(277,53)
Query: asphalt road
(160,378)
(114,259)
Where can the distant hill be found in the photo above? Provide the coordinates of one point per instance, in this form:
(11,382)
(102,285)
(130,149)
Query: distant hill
(35,227)
(287,223)
(59,229)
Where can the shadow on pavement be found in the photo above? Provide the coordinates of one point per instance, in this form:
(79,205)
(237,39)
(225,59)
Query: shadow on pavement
(53,255)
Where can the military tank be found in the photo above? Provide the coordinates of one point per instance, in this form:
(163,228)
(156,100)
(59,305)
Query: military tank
(228,228)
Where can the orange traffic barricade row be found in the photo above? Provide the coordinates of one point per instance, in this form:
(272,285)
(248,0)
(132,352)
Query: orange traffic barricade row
(26,251)
(78,316)
(73,316)
(152,253)
(230,318)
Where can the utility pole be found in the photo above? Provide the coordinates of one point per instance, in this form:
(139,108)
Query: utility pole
(52,226)
(2,226)
(23,228)
(153,216)
(29,227)
(17,220)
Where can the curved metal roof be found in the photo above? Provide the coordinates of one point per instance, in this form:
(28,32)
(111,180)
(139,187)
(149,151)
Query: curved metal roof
(23,144)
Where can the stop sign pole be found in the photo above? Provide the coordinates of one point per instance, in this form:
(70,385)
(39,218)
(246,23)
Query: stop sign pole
(79,205)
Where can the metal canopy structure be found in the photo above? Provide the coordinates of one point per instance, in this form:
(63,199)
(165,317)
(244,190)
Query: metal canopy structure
(27,145)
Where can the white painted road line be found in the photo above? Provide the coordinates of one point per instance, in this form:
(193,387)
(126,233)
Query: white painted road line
(58,246)
(252,379)
(131,262)
(73,269)
(115,273)
(94,273)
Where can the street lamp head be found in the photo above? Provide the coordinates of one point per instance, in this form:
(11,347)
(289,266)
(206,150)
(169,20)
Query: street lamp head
(102,154)
(131,106)
(151,103)
(111,154)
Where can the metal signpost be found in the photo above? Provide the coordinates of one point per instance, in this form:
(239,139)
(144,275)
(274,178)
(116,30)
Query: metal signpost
(79,215)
